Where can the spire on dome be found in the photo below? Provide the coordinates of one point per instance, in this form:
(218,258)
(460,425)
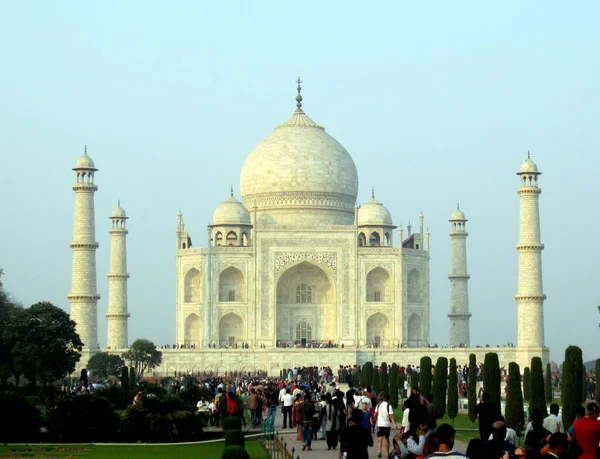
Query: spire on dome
(528,155)
(373,192)
(85,150)
(457,206)
(231,192)
(299,96)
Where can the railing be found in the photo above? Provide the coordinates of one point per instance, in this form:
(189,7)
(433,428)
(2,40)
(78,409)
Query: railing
(274,444)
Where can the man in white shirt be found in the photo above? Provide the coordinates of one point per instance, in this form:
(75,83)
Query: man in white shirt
(360,398)
(554,423)
(288,403)
(385,419)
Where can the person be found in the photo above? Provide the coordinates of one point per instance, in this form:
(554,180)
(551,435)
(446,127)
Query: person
(587,432)
(487,413)
(272,403)
(523,452)
(445,437)
(288,403)
(137,399)
(431,446)
(308,411)
(397,452)
(252,407)
(416,439)
(553,422)
(336,421)
(497,446)
(367,419)
(221,404)
(297,415)
(431,414)
(475,449)
(384,415)
(355,440)
(557,446)
(536,437)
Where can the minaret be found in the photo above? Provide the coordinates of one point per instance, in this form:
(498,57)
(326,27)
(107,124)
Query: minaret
(530,296)
(84,297)
(459,289)
(117,281)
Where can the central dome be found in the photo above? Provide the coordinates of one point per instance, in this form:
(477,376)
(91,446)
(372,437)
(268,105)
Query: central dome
(300,175)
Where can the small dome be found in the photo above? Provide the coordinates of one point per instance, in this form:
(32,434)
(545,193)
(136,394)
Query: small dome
(528,167)
(231,212)
(374,213)
(119,212)
(458,215)
(85,162)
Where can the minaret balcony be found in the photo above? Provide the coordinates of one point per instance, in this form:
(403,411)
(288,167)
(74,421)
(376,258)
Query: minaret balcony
(541,297)
(530,247)
(459,276)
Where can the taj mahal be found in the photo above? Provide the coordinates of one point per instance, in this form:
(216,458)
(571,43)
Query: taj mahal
(296,273)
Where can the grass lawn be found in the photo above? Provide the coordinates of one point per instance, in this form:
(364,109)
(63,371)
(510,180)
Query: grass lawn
(204,451)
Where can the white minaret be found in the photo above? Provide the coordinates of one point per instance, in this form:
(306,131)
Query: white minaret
(117,281)
(459,289)
(84,297)
(530,296)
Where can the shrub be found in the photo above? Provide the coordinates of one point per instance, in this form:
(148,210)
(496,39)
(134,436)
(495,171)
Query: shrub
(537,392)
(598,381)
(571,384)
(513,412)
(366,375)
(19,420)
(375,380)
(383,378)
(125,378)
(491,378)
(394,386)
(234,437)
(401,381)
(452,391)
(527,384)
(425,376)
(235,452)
(472,387)
(440,383)
(232,423)
(548,383)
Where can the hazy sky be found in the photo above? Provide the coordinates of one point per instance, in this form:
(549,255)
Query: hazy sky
(437,102)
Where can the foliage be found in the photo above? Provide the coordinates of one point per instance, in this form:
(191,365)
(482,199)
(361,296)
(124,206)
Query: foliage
(46,346)
(366,375)
(548,383)
(118,397)
(571,384)
(235,452)
(83,378)
(401,381)
(383,378)
(598,381)
(472,387)
(375,380)
(104,365)
(394,386)
(425,376)
(414,380)
(537,398)
(232,423)
(491,378)
(125,378)
(234,437)
(513,413)
(132,379)
(452,391)
(8,312)
(19,420)
(440,383)
(526,384)
(143,356)
(583,384)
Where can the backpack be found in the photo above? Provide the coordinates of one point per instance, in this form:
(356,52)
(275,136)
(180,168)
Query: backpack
(223,403)
(232,405)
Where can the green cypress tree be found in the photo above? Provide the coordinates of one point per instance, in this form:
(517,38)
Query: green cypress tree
(132,381)
(452,391)
(425,376)
(491,378)
(363,374)
(394,386)
(598,381)
(513,413)
(583,384)
(375,380)
(537,393)
(526,384)
(401,380)
(383,378)
(548,383)
(368,374)
(125,378)
(414,380)
(472,387)
(440,383)
(571,384)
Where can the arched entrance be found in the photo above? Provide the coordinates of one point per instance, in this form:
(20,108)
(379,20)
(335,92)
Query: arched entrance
(378,330)
(192,330)
(231,330)
(306,306)
(414,332)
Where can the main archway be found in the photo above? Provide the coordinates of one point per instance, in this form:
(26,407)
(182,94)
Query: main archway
(306,306)
(378,330)
(231,330)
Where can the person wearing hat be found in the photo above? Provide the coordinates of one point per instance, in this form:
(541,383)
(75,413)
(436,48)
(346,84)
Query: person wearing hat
(587,432)
(355,439)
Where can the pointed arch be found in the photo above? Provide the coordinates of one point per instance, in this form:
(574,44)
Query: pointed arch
(193,286)
(379,330)
(388,239)
(374,239)
(192,330)
(231,330)
(232,285)
(362,240)
(414,330)
(414,289)
(231,238)
(219,238)
(244,239)
(379,286)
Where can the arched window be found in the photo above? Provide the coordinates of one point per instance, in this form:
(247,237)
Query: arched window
(232,285)
(415,286)
(303,294)
(231,238)
(219,238)
(362,240)
(374,240)
(244,239)
(388,239)
(303,331)
(193,286)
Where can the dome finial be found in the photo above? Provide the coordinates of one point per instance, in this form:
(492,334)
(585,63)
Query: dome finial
(231,191)
(85,150)
(299,96)
(119,202)
(528,155)
(457,206)
(373,192)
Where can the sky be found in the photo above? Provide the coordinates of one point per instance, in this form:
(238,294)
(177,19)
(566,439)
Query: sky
(437,102)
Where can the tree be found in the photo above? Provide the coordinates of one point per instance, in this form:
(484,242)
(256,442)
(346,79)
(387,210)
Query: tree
(125,379)
(491,378)
(414,379)
(583,384)
(366,375)
(143,356)
(452,391)
(440,383)
(394,386)
(548,383)
(526,384)
(425,376)
(472,387)
(571,384)
(9,310)
(537,393)
(513,412)
(47,345)
(105,365)
(375,380)
(383,378)
(401,381)
(598,381)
